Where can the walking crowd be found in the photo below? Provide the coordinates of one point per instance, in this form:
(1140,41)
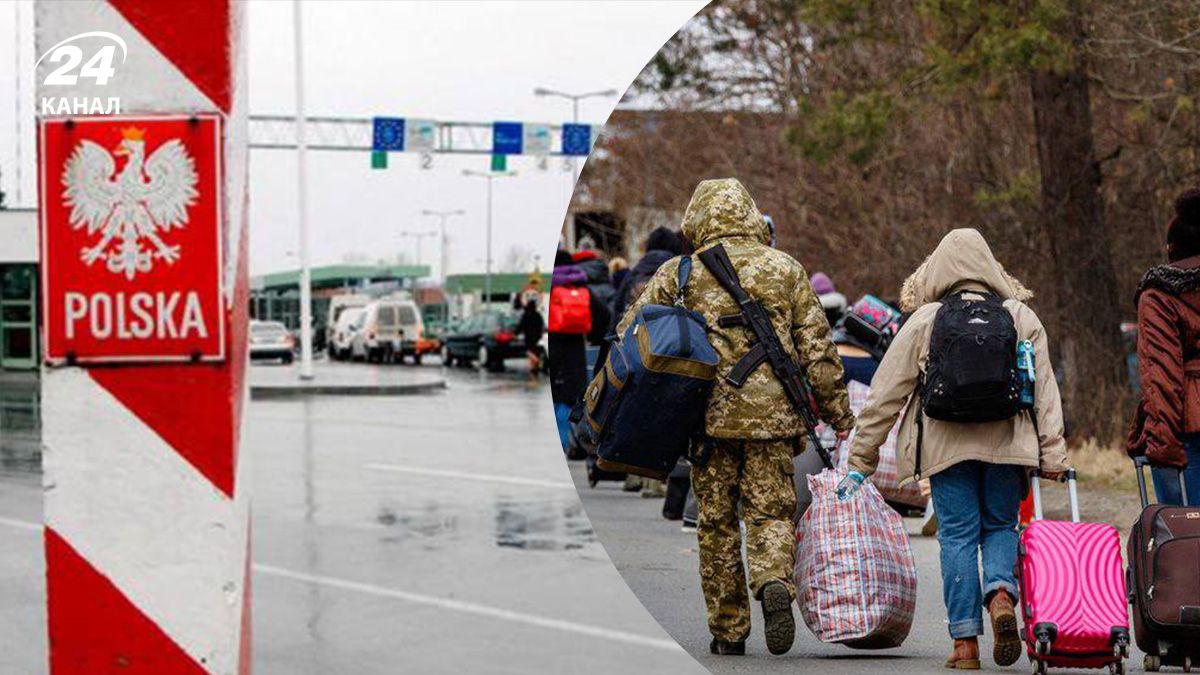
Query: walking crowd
(699,375)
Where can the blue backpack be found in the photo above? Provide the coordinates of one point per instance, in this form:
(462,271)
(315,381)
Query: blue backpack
(648,402)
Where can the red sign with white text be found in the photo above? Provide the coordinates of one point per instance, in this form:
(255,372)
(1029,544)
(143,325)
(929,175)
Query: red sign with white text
(131,239)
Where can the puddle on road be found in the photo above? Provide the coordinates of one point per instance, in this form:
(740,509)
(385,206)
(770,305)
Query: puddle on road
(547,524)
(428,525)
(20,429)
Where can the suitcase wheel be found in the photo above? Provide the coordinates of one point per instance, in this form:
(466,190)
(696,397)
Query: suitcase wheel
(1151,663)
(1187,664)
(1039,666)
(1116,668)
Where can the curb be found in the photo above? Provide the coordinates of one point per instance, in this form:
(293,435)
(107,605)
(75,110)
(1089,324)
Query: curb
(281,392)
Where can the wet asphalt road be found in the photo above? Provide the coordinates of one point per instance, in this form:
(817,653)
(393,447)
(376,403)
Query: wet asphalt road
(660,563)
(420,534)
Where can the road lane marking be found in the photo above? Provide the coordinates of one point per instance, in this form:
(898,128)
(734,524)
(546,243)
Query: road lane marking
(480,477)
(473,608)
(441,603)
(21,524)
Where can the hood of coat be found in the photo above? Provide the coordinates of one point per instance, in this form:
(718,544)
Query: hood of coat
(962,257)
(722,209)
(595,269)
(1177,278)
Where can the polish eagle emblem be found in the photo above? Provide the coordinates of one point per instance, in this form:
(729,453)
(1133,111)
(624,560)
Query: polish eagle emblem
(131,211)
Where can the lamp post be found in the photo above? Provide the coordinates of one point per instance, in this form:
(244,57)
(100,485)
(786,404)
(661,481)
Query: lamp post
(574,99)
(442,217)
(418,236)
(490,176)
(306,346)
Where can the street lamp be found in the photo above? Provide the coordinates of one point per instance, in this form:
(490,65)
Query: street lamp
(574,99)
(487,277)
(418,236)
(442,217)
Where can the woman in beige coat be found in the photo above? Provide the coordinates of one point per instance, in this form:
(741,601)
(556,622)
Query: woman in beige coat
(978,471)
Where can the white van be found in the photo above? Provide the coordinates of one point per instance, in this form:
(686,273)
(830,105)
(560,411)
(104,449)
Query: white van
(390,330)
(338,304)
(341,341)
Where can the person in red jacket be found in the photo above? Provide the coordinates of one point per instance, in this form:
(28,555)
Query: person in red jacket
(1166,427)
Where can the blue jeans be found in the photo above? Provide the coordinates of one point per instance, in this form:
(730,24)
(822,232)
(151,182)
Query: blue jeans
(1166,481)
(977,506)
(561,411)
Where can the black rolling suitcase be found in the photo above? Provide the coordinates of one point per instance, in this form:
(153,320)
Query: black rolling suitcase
(1164,580)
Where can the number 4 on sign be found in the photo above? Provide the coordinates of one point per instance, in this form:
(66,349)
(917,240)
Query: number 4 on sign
(100,66)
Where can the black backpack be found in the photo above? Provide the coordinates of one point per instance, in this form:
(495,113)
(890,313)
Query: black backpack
(971,373)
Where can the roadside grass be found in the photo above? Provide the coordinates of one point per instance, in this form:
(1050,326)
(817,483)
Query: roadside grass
(1104,466)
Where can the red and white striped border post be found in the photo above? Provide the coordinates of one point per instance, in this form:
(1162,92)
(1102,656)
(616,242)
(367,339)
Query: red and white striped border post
(146,500)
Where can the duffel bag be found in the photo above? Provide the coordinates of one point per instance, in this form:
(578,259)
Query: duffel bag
(643,408)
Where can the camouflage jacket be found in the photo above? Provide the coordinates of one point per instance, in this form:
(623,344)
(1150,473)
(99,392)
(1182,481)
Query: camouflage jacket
(722,211)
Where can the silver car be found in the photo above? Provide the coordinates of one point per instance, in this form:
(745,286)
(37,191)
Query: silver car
(271,340)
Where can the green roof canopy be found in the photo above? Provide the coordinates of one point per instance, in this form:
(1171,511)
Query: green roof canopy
(334,275)
(457,284)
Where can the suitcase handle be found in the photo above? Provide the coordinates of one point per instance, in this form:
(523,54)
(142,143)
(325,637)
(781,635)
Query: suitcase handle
(1138,464)
(1073,495)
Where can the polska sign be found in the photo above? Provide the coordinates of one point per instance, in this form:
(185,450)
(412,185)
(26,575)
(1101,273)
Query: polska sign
(131,239)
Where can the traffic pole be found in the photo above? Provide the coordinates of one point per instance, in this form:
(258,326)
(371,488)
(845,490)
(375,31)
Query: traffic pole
(146,502)
(306,323)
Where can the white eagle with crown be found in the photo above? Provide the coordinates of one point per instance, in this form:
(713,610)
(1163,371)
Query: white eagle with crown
(146,200)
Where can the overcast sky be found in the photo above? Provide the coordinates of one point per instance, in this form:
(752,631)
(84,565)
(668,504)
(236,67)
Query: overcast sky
(468,61)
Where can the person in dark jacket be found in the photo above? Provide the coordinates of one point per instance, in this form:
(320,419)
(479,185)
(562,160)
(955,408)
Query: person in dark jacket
(1166,427)
(661,245)
(532,326)
(568,353)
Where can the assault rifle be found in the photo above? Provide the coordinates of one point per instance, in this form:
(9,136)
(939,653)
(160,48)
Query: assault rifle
(766,347)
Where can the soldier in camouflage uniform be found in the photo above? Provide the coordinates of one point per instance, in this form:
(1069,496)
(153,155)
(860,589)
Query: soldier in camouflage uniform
(753,428)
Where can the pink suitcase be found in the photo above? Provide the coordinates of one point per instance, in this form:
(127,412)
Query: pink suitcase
(1072,586)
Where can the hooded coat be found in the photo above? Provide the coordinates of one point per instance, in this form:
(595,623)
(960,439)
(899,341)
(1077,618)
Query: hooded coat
(961,262)
(722,212)
(1168,347)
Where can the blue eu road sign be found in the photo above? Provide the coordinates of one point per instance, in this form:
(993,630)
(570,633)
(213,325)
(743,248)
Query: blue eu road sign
(388,134)
(507,138)
(577,139)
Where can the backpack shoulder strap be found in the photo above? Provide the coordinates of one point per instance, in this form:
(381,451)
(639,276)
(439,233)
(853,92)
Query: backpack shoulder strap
(685,273)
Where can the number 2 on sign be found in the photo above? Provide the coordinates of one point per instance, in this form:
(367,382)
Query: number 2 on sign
(99,67)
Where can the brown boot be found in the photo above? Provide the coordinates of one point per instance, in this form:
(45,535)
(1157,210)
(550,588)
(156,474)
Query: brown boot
(1004,629)
(965,655)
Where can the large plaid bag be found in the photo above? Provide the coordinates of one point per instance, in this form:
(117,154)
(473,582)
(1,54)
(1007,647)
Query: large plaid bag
(856,580)
(884,478)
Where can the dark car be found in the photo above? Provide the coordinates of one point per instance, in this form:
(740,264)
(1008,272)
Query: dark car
(485,340)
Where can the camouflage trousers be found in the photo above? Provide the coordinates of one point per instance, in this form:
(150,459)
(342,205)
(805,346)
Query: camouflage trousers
(757,475)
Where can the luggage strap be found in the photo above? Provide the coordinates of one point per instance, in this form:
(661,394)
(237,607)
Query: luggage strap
(681,312)
(767,347)
(920,426)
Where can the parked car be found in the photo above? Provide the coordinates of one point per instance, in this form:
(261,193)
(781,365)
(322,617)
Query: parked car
(390,330)
(271,340)
(485,340)
(348,324)
(338,305)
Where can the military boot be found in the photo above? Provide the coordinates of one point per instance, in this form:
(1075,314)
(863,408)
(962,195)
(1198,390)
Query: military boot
(777,613)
